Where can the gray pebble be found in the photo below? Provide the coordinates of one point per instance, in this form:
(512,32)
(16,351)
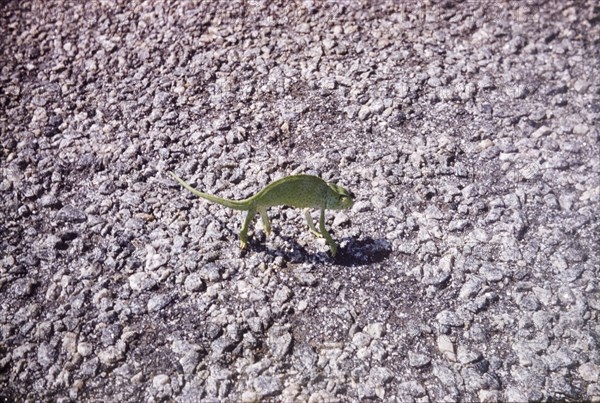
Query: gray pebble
(280,341)
(375,330)
(89,368)
(70,214)
(111,333)
(85,349)
(46,355)
(589,372)
(470,288)
(282,295)
(23,287)
(142,281)
(267,386)
(49,201)
(380,376)
(466,355)
(435,274)
(365,391)
(194,283)
(158,302)
(361,339)
(449,318)
(307,356)
(563,358)
(418,360)
(190,361)
(565,295)
(491,272)
(221,346)
(111,355)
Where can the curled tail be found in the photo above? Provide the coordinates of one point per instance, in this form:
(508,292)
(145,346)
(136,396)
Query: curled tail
(234,204)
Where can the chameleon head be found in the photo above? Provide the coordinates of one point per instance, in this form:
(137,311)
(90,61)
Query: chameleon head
(340,198)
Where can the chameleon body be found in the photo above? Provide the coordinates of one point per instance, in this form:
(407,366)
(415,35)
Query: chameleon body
(302,191)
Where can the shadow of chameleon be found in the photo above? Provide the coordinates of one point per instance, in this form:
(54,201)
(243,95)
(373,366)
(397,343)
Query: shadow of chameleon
(358,252)
(353,253)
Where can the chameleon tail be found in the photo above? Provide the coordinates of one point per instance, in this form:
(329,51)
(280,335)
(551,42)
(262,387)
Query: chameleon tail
(234,204)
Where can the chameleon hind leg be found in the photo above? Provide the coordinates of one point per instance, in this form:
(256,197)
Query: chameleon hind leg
(244,230)
(311,224)
(332,245)
(264,217)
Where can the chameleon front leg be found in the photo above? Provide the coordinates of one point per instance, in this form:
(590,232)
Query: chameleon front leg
(265,220)
(311,225)
(244,230)
(332,245)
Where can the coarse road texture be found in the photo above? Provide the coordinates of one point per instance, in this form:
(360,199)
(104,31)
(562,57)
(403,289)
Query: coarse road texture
(469,265)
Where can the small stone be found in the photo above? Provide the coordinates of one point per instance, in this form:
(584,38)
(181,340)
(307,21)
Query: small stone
(589,372)
(528,302)
(446,347)
(361,339)
(486,83)
(154,260)
(89,367)
(159,381)
(70,214)
(365,391)
(23,287)
(250,396)
(380,376)
(563,358)
(141,281)
(267,386)
(340,219)
(513,394)
(280,341)
(194,283)
(46,355)
(470,288)
(364,112)
(49,201)
(255,324)
(306,355)
(69,343)
(138,378)
(580,129)
(517,92)
(541,131)
(328,83)
(111,333)
(566,296)
(375,330)
(435,274)
(491,273)
(282,295)
(466,356)
(158,302)
(488,396)
(111,355)
(190,361)
(418,360)
(581,85)
(221,346)
(85,349)
(449,318)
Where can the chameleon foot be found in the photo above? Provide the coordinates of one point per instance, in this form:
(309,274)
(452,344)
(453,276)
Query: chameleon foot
(316,233)
(333,248)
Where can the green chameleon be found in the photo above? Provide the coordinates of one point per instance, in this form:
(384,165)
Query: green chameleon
(302,191)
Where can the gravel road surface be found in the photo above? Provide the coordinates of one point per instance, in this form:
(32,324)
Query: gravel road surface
(469,265)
